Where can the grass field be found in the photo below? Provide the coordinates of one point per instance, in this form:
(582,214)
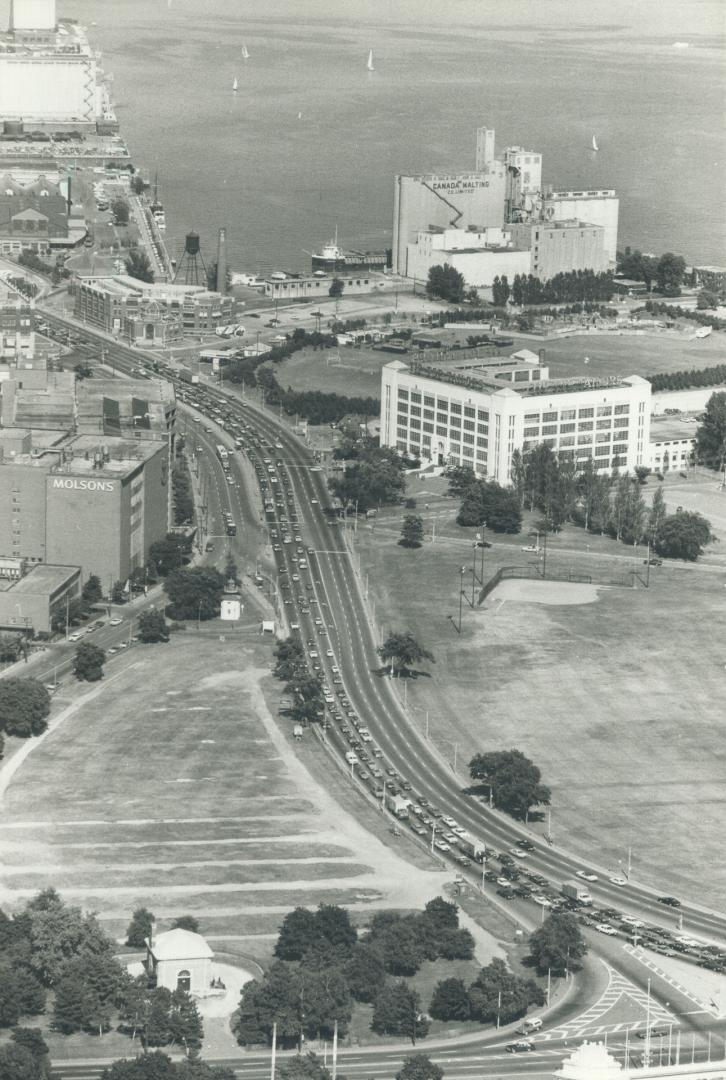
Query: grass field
(176,789)
(358,372)
(616,693)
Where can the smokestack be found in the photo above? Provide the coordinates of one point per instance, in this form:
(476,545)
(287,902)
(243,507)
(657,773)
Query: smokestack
(222,262)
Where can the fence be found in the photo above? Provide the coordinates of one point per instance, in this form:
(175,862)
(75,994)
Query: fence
(622,581)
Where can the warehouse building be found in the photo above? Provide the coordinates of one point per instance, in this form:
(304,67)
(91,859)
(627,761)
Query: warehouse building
(478,412)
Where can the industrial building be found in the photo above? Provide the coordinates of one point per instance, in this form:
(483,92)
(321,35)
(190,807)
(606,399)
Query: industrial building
(80,501)
(31,596)
(49,74)
(477,412)
(317,286)
(150,314)
(503,192)
(84,482)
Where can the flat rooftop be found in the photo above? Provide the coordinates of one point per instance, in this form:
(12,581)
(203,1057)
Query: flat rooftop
(43,578)
(487,384)
(672,428)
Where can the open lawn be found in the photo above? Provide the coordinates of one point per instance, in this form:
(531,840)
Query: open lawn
(175,788)
(357,372)
(616,693)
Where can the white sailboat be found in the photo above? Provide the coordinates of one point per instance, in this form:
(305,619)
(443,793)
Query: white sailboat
(369,65)
(594,143)
(245,54)
(235,85)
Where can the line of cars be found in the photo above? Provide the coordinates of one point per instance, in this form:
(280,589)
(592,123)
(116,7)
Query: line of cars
(513,879)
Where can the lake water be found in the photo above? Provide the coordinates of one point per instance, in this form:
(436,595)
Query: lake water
(312,140)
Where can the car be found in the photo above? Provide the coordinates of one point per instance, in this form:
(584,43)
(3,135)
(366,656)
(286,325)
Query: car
(111,652)
(654,1033)
(351,758)
(618,879)
(606,928)
(519,1047)
(669,901)
(123,644)
(74,637)
(543,901)
(461,859)
(294,625)
(518,853)
(586,875)
(449,821)
(506,892)
(115,622)
(631,920)
(531,547)
(329,652)
(442,845)
(504,882)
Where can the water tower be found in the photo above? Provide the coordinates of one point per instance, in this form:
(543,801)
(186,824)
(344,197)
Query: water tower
(191,266)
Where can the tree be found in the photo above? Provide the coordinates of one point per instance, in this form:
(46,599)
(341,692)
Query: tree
(333,925)
(445,283)
(412,531)
(231,570)
(138,265)
(365,972)
(374,479)
(153,626)
(12,647)
(683,535)
(628,512)
(642,472)
(657,515)
(24,706)
(120,211)
(419,1067)
(307,1067)
(397,1011)
(460,478)
(185,1021)
(140,928)
(497,994)
(401,650)
(92,593)
(707,300)
(669,273)
(401,944)
(168,554)
(195,592)
(186,922)
(711,433)
(450,1000)
(336,288)
(31,1039)
(77,1007)
(118,592)
(557,944)
(88,662)
(515,781)
(487,501)
(21,994)
(59,934)
(18,1063)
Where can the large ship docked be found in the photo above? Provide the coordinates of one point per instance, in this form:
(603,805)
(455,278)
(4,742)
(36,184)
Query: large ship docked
(333,259)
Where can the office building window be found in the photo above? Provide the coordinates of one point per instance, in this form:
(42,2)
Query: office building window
(469,425)
(531,417)
(622,410)
(483,429)
(469,411)
(604,410)
(568,414)
(403,394)
(587,426)
(566,427)
(567,440)
(455,407)
(416,397)
(621,422)
(530,432)
(429,414)
(548,417)
(603,424)
(442,417)
(441,429)
(582,413)
(482,414)
(455,421)
(468,438)
(414,410)
(549,429)
(415,425)
(428,427)
(429,400)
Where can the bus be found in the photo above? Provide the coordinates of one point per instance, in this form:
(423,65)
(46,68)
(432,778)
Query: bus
(222,454)
(231,528)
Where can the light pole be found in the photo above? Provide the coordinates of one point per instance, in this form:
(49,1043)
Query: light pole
(199,615)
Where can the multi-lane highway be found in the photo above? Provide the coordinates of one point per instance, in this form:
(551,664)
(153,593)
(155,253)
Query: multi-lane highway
(321,595)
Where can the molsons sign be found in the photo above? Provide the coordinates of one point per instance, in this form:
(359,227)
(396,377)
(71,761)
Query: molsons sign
(75,484)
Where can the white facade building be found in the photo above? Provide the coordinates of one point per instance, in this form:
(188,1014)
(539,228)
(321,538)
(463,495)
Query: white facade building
(479,414)
(181,960)
(48,71)
(480,255)
(594,207)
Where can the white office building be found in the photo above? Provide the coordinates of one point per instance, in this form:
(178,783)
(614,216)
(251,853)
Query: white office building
(477,412)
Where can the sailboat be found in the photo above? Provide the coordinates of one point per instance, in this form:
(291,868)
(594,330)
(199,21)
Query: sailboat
(235,85)
(594,143)
(245,54)
(369,65)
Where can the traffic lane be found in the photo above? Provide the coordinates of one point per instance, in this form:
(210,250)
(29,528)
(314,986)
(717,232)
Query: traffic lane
(628,898)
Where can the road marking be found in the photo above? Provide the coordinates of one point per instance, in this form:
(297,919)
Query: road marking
(638,954)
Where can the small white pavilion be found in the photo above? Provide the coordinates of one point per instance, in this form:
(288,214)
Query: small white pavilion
(180,960)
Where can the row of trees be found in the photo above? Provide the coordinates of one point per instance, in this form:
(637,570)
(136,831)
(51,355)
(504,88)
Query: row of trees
(672,312)
(607,504)
(322,967)
(79,608)
(495,994)
(183,496)
(304,687)
(446,283)
(585,286)
(684,380)
(314,405)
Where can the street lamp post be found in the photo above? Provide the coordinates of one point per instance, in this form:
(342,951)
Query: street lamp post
(199,615)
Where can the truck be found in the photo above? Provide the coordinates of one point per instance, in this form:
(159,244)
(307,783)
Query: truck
(575,890)
(469,845)
(398,806)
